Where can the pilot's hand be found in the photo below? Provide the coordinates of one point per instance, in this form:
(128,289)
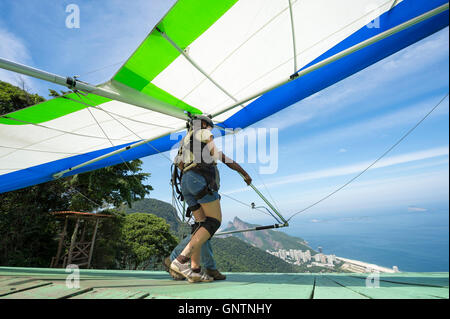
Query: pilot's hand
(247,179)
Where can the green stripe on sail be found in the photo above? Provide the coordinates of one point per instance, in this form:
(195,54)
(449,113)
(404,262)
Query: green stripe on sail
(131,79)
(153,56)
(187,20)
(162,95)
(51,109)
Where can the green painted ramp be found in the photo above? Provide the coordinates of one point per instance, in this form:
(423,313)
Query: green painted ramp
(45,283)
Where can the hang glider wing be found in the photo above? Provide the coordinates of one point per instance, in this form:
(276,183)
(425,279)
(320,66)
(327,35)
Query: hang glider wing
(203,57)
(58,134)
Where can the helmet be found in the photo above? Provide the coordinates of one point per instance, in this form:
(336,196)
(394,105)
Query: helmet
(198,119)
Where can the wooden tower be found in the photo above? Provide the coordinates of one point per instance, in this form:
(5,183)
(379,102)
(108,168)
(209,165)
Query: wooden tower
(79,251)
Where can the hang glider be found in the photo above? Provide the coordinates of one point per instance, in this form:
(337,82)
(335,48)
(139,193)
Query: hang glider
(240,61)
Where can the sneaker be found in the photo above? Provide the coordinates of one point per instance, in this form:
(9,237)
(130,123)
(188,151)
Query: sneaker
(185,270)
(166,264)
(205,277)
(214,273)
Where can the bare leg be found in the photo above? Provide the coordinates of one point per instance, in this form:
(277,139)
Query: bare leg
(199,216)
(192,249)
(212,209)
(196,259)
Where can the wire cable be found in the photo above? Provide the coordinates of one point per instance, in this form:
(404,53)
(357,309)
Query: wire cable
(168,158)
(378,159)
(120,155)
(161,153)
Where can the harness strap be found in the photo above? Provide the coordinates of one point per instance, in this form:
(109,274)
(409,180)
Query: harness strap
(209,174)
(205,191)
(176,181)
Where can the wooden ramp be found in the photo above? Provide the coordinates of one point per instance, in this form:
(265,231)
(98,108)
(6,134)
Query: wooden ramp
(47,283)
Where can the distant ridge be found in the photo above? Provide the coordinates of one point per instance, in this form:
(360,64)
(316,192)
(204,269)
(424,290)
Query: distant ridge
(267,239)
(237,253)
(158,208)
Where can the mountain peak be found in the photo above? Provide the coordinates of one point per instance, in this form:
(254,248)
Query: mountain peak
(265,239)
(239,224)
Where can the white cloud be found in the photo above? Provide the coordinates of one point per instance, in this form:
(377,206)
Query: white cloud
(401,118)
(110,31)
(352,169)
(374,194)
(413,60)
(12,48)
(362,196)
(416,209)
(421,55)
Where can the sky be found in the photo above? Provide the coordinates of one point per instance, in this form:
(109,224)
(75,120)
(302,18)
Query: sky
(322,141)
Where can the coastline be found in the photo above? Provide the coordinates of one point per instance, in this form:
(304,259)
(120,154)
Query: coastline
(363,267)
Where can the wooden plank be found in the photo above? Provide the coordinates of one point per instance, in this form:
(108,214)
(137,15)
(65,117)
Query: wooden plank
(389,290)
(5,279)
(433,280)
(163,297)
(119,283)
(258,286)
(184,289)
(179,289)
(16,287)
(72,242)
(60,245)
(112,293)
(91,251)
(53,291)
(327,289)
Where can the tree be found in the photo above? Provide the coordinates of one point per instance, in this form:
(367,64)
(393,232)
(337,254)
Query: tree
(27,232)
(146,241)
(13,98)
(108,246)
(114,185)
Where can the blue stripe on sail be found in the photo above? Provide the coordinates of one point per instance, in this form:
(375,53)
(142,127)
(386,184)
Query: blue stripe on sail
(324,77)
(43,173)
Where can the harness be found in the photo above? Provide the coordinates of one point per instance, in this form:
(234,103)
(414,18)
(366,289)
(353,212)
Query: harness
(191,157)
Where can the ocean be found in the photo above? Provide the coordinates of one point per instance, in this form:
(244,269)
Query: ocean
(413,240)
